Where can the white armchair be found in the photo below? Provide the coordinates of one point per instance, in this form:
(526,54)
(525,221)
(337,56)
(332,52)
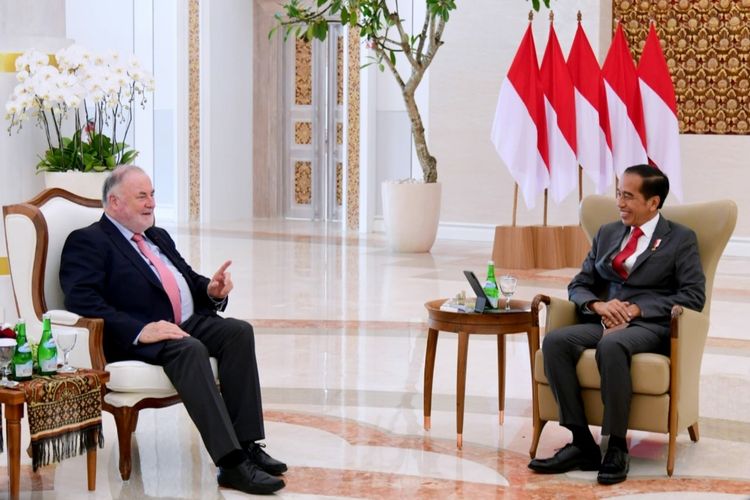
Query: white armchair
(35,233)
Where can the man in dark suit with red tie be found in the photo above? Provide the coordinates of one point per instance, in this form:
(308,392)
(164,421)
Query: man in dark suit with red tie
(158,310)
(637,269)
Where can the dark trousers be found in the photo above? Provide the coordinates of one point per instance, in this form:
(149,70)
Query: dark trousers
(562,349)
(234,415)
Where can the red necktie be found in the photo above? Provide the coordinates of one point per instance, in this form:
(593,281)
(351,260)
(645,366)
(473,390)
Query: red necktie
(168,280)
(618,263)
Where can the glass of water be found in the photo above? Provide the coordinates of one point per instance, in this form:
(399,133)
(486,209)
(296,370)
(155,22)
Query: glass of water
(65,338)
(508,288)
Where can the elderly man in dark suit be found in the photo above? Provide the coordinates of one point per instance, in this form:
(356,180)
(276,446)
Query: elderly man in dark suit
(157,309)
(637,269)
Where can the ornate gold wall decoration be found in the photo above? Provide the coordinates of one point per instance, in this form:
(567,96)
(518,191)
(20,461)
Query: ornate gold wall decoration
(340,70)
(303,73)
(339,133)
(302,133)
(303,182)
(352,146)
(339,183)
(707,47)
(194,118)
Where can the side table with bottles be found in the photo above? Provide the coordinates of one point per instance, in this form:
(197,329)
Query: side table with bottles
(517,319)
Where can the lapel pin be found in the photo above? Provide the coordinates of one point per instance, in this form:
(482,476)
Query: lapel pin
(656,244)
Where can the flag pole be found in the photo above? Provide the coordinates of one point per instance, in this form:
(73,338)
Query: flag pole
(579,17)
(515,203)
(580,183)
(545,206)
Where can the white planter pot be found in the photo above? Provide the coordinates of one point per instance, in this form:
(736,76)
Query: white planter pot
(86,184)
(411,212)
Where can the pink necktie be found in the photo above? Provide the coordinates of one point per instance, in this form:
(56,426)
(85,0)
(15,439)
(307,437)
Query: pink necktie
(618,263)
(168,280)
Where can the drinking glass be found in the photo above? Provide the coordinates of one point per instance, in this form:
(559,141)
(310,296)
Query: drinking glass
(65,338)
(7,347)
(508,288)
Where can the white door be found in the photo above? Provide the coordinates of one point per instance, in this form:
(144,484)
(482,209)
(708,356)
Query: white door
(313,128)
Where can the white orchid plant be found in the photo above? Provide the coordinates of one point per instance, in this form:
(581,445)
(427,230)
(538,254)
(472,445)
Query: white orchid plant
(97,92)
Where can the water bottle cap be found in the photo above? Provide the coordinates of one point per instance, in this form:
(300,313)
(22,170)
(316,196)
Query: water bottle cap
(490,262)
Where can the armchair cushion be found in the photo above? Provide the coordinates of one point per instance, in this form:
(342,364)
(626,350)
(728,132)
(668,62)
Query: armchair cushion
(650,372)
(140,377)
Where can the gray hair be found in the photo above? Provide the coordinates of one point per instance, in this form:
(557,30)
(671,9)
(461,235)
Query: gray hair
(115,178)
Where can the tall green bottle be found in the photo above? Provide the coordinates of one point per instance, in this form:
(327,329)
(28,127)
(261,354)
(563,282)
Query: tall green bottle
(490,286)
(47,352)
(23,364)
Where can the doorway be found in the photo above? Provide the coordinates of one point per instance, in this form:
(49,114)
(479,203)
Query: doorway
(313,176)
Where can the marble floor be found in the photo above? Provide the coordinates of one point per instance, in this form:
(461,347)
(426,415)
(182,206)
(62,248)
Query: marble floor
(340,332)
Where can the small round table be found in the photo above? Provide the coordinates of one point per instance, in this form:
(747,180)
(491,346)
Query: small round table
(517,320)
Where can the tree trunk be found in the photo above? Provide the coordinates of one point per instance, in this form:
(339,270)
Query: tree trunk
(426,160)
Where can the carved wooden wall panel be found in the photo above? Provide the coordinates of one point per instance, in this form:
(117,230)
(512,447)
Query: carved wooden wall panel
(707,47)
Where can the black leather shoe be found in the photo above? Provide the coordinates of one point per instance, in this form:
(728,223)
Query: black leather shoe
(263,460)
(615,466)
(567,458)
(249,478)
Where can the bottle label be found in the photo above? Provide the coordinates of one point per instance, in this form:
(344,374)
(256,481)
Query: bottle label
(492,293)
(23,370)
(50,344)
(48,365)
(24,348)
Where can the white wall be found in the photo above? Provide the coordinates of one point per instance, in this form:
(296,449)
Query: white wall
(226,110)
(480,42)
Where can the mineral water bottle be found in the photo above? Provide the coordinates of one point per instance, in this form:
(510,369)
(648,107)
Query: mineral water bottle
(23,364)
(47,352)
(490,286)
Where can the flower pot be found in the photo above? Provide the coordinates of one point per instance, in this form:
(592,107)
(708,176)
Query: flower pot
(86,184)
(411,212)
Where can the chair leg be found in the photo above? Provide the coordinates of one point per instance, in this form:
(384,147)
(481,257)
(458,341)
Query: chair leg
(538,426)
(126,419)
(671,453)
(694,434)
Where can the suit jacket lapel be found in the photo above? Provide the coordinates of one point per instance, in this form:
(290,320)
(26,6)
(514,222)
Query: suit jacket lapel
(613,247)
(128,251)
(660,233)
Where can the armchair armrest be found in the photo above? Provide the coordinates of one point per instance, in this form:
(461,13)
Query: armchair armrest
(689,330)
(560,312)
(95,326)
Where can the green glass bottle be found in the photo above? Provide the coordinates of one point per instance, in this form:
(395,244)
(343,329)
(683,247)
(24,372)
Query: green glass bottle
(23,363)
(47,352)
(490,285)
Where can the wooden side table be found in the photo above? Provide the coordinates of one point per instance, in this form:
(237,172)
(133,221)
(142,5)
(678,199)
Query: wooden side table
(517,320)
(14,400)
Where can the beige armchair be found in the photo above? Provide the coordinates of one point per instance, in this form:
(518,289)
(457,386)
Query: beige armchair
(665,389)
(35,233)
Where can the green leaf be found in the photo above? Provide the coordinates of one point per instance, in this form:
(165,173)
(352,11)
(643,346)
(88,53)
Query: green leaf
(535,5)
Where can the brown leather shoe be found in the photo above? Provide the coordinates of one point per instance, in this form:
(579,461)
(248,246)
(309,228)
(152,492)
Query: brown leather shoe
(249,478)
(567,458)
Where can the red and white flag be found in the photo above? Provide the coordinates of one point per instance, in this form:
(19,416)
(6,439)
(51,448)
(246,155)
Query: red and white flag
(624,103)
(594,142)
(660,112)
(560,108)
(518,131)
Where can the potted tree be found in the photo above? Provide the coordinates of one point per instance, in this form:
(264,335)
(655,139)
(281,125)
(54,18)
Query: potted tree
(92,95)
(411,208)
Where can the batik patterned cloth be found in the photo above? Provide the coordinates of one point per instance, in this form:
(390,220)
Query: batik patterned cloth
(65,416)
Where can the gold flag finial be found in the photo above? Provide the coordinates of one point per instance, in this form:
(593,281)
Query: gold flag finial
(551,16)
(531,15)
(579,16)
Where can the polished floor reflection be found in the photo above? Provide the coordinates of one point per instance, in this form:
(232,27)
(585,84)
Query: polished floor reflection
(340,331)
